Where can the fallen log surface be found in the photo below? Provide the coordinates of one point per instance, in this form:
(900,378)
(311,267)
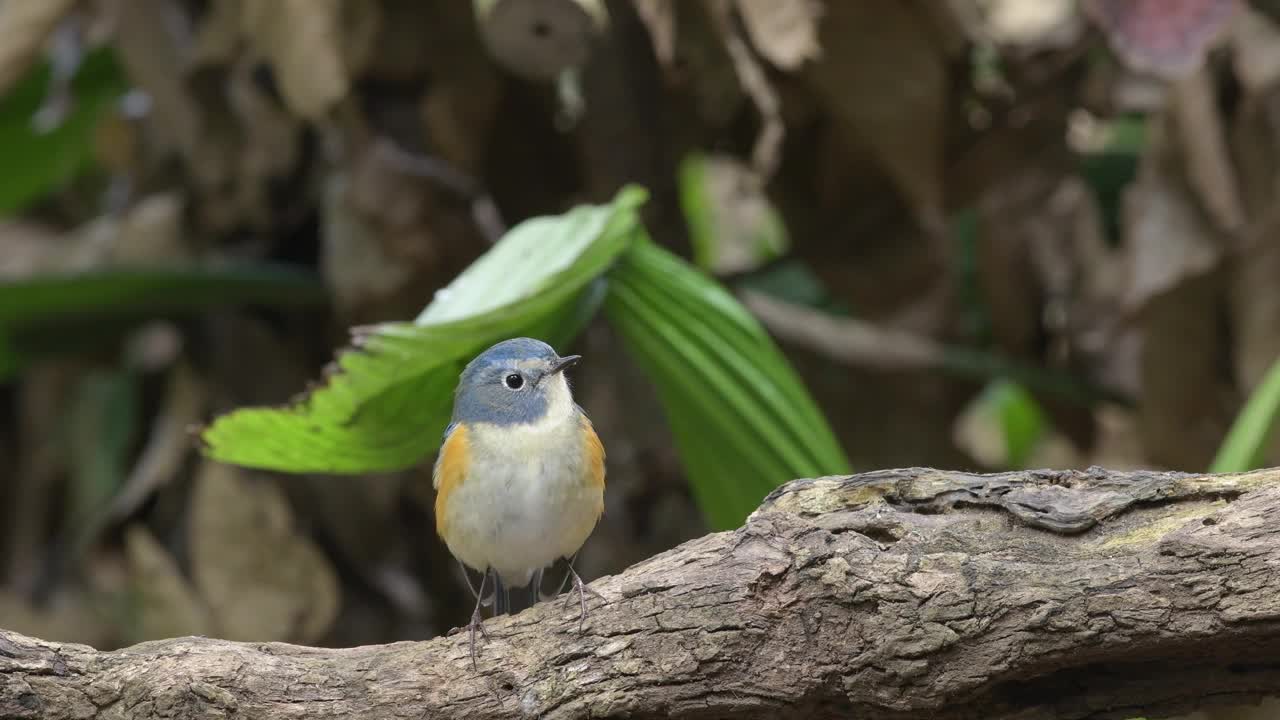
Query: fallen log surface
(900,594)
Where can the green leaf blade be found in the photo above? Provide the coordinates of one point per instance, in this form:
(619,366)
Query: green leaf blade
(1247,440)
(757,362)
(742,421)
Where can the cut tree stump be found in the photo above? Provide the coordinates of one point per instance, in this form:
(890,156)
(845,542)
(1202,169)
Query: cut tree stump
(902,594)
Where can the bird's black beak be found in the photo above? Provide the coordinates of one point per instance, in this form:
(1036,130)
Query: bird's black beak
(564,363)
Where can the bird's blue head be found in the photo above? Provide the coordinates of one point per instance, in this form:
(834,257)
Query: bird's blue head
(516,382)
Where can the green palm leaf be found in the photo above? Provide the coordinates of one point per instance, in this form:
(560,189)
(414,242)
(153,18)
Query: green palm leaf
(743,422)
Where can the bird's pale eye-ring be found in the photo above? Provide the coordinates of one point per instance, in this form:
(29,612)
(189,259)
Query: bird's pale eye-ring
(514,381)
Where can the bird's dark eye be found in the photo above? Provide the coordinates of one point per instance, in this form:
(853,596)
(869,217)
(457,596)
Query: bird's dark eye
(514,381)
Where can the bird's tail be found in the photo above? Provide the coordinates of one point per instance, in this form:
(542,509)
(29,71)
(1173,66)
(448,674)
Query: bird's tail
(509,600)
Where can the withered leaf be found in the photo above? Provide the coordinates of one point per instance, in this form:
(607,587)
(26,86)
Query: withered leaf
(262,578)
(1203,142)
(164,602)
(659,17)
(1167,238)
(784,31)
(302,39)
(23,29)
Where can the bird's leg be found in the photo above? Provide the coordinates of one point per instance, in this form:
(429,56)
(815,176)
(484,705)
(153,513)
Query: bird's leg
(475,623)
(467,576)
(560,587)
(582,589)
(477,594)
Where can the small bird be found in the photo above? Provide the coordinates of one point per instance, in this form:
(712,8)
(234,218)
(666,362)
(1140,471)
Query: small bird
(520,476)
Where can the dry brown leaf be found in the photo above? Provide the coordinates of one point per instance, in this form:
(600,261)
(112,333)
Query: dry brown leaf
(1167,238)
(659,18)
(165,604)
(979,431)
(27,248)
(303,40)
(884,81)
(1165,246)
(262,578)
(784,31)
(356,267)
(1255,50)
(149,233)
(152,57)
(768,145)
(1031,26)
(1119,445)
(228,155)
(1194,106)
(152,233)
(24,27)
(354,517)
(742,216)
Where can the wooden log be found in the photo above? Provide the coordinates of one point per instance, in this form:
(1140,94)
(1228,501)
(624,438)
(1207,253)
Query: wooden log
(902,594)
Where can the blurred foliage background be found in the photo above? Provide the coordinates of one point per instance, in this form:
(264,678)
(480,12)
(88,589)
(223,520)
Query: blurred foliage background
(986,234)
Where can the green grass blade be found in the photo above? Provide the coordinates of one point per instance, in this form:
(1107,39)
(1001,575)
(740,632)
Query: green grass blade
(1247,440)
(46,314)
(386,401)
(54,298)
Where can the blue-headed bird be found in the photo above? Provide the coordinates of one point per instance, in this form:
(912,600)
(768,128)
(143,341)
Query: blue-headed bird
(520,476)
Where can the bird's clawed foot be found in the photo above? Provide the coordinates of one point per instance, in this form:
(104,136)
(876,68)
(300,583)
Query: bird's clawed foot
(476,621)
(583,591)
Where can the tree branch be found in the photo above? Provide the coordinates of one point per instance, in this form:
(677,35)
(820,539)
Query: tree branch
(901,594)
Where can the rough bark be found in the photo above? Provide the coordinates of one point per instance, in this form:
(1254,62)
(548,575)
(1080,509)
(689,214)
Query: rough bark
(898,594)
